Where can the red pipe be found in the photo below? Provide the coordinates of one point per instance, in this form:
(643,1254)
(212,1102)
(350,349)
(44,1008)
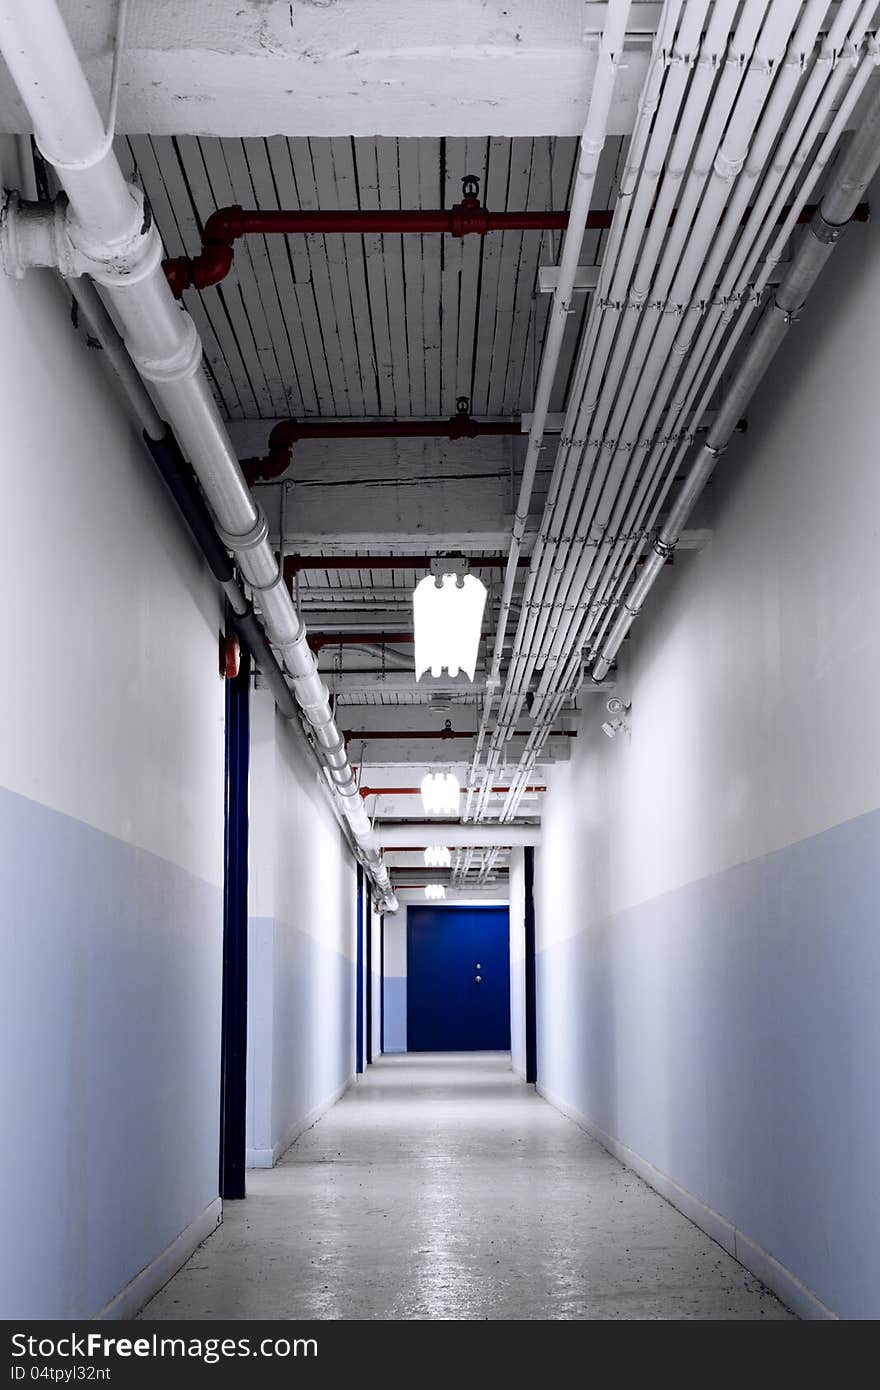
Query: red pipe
(289,432)
(417,791)
(295,564)
(467,218)
(317,640)
(369,735)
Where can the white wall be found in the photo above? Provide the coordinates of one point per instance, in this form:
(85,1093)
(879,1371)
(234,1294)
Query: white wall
(111,822)
(707,891)
(302,904)
(394,983)
(518,961)
(376,985)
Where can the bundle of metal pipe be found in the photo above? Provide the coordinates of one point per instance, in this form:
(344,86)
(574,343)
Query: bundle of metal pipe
(106,232)
(734,119)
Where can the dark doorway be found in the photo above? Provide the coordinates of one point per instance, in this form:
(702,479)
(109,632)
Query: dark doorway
(458,979)
(233,1039)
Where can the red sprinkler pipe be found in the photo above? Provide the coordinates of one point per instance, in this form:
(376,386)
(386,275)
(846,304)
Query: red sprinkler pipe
(417,791)
(289,432)
(317,640)
(467,218)
(295,564)
(369,735)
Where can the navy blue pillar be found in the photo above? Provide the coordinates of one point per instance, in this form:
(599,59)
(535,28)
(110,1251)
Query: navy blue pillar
(368,972)
(530,964)
(233,1046)
(359,987)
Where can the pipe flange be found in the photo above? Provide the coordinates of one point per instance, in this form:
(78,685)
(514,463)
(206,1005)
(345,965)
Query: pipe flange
(248,540)
(35,234)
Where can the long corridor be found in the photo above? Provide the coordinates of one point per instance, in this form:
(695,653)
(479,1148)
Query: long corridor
(441,1186)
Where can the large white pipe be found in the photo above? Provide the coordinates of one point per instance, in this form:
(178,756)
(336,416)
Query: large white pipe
(111,236)
(417,835)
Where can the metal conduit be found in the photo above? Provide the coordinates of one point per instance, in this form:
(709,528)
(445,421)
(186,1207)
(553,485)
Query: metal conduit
(107,231)
(591,146)
(858,167)
(819,86)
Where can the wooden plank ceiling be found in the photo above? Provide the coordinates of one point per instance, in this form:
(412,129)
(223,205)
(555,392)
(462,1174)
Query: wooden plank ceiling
(370,325)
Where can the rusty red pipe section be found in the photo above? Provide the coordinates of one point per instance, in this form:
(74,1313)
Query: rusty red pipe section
(467,218)
(289,432)
(417,791)
(369,735)
(295,564)
(317,640)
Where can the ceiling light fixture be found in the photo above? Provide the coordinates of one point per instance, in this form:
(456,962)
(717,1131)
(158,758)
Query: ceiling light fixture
(435,892)
(448,609)
(437,857)
(440,794)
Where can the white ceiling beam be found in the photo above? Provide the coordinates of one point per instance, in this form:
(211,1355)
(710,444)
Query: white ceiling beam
(354,67)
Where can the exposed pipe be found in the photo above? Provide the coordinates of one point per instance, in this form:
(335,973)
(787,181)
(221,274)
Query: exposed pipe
(179,479)
(857,168)
(819,88)
(369,735)
(107,230)
(467,218)
(295,564)
(289,432)
(417,791)
(317,640)
(591,145)
(428,832)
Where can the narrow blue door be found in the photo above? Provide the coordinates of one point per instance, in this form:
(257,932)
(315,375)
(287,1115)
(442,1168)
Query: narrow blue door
(458,979)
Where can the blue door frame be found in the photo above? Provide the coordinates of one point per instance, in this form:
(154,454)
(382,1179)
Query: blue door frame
(458,979)
(233,1037)
(359,982)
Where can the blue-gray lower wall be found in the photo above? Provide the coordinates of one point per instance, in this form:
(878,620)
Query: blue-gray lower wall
(729,1033)
(395,1013)
(110,1059)
(301,1001)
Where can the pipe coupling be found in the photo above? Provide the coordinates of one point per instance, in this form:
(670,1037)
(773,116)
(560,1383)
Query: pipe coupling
(248,540)
(179,365)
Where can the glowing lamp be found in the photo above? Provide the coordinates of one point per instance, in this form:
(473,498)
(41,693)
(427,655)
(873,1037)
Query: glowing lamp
(440,793)
(435,892)
(448,619)
(437,857)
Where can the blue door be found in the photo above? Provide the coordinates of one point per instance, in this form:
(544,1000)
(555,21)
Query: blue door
(458,979)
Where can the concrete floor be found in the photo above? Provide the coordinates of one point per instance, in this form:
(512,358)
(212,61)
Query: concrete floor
(441,1186)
